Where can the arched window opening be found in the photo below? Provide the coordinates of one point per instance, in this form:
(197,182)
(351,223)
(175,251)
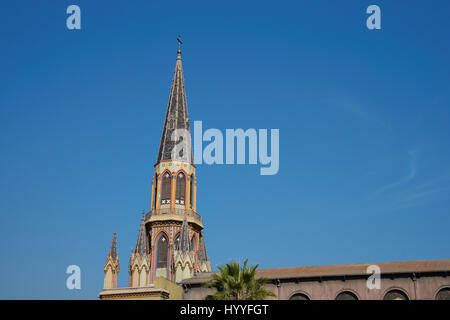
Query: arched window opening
(155,194)
(395,295)
(191,192)
(299,296)
(166,188)
(443,294)
(346,295)
(192,244)
(161,260)
(180,196)
(176,242)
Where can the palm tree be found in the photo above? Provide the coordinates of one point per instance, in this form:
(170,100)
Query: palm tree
(236,283)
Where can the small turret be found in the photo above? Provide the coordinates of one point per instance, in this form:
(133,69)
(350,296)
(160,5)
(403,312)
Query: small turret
(111,266)
(139,267)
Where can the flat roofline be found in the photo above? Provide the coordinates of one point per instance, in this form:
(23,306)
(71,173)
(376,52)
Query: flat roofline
(148,289)
(424,266)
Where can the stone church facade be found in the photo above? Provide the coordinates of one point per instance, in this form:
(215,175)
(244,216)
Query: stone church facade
(170,260)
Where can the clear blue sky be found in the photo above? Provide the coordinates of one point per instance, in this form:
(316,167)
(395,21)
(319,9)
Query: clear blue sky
(363,118)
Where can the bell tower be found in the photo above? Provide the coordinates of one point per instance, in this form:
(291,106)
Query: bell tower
(172,229)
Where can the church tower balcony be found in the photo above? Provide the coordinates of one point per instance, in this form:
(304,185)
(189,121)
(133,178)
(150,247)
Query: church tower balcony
(174,214)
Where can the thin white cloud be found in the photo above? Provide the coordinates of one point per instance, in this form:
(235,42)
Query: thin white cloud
(443,178)
(418,199)
(407,194)
(421,194)
(410,176)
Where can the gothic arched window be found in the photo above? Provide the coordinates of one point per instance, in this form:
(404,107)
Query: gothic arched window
(181,189)
(395,295)
(161,256)
(191,201)
(193,243)
(166,186)
(346,295)
(155,195)
(443,294)
(299,296)
(176,242)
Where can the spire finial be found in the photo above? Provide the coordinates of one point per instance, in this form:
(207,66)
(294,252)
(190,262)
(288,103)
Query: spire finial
(179,44)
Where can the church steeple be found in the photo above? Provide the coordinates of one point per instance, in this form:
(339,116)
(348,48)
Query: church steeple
(173,224)
(176,114)
(170,242)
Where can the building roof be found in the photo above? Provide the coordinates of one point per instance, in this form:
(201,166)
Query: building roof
(341,270)
(176,117)
(134,291)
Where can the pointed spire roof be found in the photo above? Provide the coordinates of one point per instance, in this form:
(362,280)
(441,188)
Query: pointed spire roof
(185,242)
(176,115)
(113,249)
(202,256)
(131,258)
(141,244)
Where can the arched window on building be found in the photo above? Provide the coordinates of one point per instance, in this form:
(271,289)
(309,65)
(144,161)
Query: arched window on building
(395,295)
(299,296)
(176,242)
(346,295)
(180,196)
(443,294)
(155,194)
(193,243)
(166,186)
(191,185)
(161,256)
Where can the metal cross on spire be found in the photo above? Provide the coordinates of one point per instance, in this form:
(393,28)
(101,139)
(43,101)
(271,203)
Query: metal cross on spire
(179,42)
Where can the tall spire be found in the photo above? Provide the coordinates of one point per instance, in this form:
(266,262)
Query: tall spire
(113,249)
(141,244)
(176,115)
